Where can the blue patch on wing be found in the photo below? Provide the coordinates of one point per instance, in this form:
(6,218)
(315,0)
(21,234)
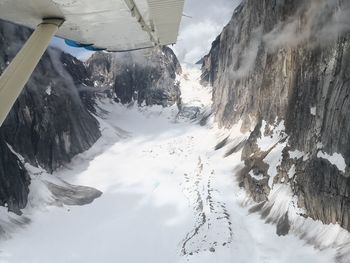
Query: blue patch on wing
(75,44)
(92,48)
(72,43)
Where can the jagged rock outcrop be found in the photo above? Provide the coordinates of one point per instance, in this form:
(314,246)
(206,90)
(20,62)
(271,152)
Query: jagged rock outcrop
(52,120)
(289,61)
(48,124)
(143,76)
(82,80)
(14,179)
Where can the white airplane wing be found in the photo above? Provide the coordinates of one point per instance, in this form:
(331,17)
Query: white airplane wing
(115,25)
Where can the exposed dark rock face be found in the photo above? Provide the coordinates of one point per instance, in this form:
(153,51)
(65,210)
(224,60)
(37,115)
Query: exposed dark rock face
(289,60)
(143,76)
(51,121)
(82,80)
(210,64)
(48,124)
(14,179)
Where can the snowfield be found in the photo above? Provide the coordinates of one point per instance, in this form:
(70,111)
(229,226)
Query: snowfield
(168,197)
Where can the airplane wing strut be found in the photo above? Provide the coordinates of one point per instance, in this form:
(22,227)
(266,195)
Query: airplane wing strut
(22,66)
(111,25)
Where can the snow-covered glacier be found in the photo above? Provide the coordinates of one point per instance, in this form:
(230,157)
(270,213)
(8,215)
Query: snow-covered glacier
(169,194)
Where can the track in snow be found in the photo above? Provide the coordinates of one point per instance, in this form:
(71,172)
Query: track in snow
(213,226)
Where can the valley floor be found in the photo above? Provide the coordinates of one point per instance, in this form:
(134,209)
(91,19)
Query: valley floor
(168,196)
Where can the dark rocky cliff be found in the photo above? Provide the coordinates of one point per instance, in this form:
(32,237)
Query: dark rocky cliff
(52,120)
(48,124)
(14,179)
(143,76)
(287,62)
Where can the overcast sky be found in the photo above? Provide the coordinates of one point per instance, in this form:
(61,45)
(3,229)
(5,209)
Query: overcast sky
(206,20)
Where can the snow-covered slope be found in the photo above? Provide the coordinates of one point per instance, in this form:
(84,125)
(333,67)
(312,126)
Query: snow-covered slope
(169,195)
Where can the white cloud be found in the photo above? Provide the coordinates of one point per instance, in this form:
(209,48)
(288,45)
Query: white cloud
(324,22)
(195,40)
(248,56)
(207,19)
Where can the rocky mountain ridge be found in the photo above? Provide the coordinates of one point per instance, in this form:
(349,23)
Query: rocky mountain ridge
(53,119)
(282,68)
(143,76)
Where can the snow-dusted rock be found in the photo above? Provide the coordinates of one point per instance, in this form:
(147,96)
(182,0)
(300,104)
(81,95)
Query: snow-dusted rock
(144,76)
(290,60)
